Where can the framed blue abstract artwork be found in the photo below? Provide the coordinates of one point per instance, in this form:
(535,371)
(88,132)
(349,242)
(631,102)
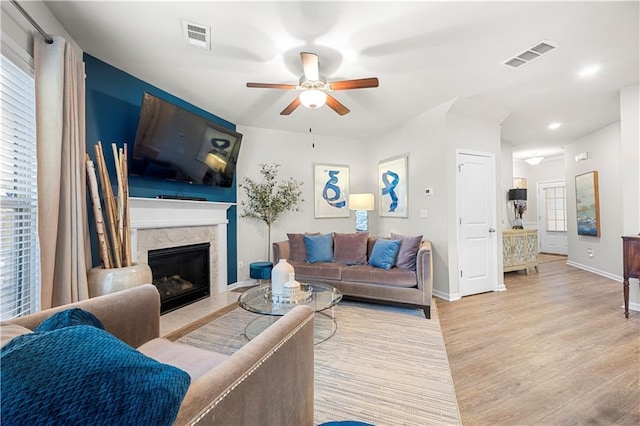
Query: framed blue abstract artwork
(330,190)
(587,204)
(393,186)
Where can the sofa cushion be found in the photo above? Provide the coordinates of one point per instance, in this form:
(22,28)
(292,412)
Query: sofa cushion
(69,317)
(297,249)
(350,249)
(9,330)
(195,361)
(324,270)
(384,253)
(371,241)
(408,252)
(83,375)
(319,248)
(394,277)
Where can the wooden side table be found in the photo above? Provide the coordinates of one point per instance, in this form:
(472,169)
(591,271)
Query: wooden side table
(631,259)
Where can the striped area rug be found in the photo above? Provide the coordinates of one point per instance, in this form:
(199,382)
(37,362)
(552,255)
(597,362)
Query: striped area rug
(385,365)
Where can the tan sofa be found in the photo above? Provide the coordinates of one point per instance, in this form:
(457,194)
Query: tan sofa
(269,381)
(365,282)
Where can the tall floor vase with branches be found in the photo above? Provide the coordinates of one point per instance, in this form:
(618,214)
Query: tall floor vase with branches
(268,199)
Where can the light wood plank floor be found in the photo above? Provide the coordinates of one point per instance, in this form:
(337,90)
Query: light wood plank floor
(554,349)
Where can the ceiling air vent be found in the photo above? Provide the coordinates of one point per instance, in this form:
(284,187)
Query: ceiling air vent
(530,54)
(197,35)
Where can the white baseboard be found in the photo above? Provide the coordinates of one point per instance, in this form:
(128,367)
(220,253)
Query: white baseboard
(446,296)
(456,296)
(633,306)
(595,271)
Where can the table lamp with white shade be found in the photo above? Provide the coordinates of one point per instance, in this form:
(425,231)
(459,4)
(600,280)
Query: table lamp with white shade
(361,203)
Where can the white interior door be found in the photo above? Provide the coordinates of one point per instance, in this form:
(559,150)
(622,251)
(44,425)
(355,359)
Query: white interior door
(552,217)
(477,240)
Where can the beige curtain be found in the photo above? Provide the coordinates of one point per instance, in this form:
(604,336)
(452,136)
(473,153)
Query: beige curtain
(62,209)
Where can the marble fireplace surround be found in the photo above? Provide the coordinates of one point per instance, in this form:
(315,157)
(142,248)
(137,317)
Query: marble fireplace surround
(161,223)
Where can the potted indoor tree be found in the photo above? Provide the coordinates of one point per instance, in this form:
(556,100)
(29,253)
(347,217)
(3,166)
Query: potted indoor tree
(268,199)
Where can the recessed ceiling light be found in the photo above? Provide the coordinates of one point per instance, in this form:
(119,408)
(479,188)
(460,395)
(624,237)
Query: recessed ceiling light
(589,70)
(554,126)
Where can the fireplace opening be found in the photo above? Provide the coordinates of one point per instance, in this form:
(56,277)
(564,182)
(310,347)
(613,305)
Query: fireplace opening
(181,274)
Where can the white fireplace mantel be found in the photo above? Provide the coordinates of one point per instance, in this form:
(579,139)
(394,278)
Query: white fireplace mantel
(162,213)
(157,213)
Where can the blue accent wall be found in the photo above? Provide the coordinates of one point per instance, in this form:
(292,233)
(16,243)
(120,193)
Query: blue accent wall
(113,100)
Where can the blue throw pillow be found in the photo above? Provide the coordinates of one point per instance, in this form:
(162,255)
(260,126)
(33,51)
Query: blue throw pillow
(69,317)
(384,253)
(81,375)
(319,248)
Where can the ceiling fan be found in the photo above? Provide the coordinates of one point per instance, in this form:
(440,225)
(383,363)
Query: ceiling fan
(314,87)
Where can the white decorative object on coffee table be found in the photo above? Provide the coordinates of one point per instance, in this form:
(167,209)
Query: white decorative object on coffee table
(291,287)
(280,275)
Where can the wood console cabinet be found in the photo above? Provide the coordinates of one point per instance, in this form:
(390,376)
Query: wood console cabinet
(519,249)
(631,266)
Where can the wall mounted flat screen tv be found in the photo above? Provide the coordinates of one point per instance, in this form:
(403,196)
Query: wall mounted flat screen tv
(179,145)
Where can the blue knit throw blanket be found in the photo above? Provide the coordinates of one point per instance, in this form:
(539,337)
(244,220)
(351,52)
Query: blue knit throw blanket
(82,375)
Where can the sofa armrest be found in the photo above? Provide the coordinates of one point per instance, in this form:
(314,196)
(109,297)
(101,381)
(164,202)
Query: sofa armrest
(281,250)
(269,381)
(424,271)
(132,315)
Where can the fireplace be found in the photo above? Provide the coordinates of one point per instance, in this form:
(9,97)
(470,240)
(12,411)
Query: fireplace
(181,274)
(162,223)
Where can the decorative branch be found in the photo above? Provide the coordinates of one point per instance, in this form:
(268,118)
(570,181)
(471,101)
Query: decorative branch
(97,214)
(115,245)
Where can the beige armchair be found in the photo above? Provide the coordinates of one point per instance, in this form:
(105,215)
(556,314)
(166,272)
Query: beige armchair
(269,381)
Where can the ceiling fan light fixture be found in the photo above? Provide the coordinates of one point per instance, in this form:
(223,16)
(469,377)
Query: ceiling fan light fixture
(313,98)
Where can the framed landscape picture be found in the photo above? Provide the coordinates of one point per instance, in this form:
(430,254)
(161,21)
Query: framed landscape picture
(587,204)
(330,190)
(393,186)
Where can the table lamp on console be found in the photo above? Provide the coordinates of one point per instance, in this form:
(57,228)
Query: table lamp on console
(519,198)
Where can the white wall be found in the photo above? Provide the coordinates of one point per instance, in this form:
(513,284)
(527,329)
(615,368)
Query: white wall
(20,30)
(296,156)
(506,164)
(423,138)
(630,172)
(630,158)
(549,169)
(472,128)
(603,147)
(432,140)
(614,152)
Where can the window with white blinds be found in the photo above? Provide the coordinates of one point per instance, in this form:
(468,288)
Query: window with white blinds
(19,250)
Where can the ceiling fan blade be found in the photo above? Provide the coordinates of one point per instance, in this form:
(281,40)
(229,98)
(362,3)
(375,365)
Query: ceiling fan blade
(361,83)
(272,86)
(291,107)
(310,66)
(335,105)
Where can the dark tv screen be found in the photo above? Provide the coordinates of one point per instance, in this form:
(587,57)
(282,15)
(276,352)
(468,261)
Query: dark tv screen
(179,145)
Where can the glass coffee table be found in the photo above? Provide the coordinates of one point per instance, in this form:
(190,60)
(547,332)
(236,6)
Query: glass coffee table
(322,298)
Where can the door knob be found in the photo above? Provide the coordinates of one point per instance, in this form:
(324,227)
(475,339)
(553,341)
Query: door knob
(492,229)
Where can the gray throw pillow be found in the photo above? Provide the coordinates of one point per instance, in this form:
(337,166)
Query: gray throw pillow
(297,249)
(408,251)
(350,249)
